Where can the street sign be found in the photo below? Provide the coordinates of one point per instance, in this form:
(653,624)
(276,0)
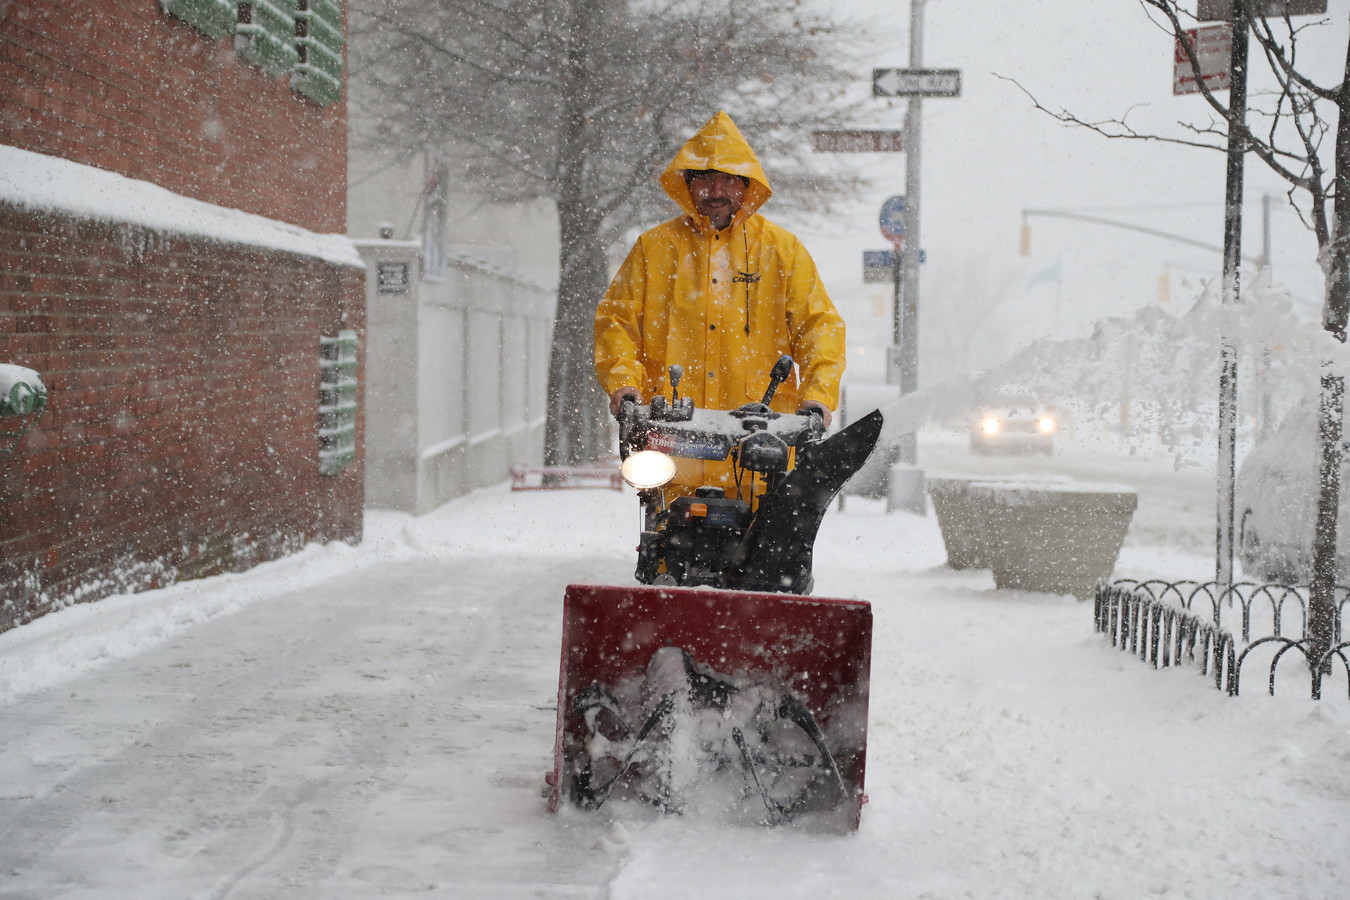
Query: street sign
(916,82)
(893,220)
(879,265)
(1213,46)
(1222,10)
(857,142)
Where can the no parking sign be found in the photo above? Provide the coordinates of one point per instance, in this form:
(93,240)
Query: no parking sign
(893,220)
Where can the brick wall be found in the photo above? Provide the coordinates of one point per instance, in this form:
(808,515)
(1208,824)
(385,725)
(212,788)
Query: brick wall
(181,436)
(120,85)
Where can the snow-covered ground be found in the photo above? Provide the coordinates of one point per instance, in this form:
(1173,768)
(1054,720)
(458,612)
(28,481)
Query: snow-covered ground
(376,721)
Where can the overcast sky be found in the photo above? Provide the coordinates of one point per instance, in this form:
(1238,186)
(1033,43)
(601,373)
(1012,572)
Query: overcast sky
(989,154)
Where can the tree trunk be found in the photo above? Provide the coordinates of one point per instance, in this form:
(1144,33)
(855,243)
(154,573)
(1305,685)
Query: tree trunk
(575,428)
(1321,631)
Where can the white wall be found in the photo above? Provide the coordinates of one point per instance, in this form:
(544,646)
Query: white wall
(456,375)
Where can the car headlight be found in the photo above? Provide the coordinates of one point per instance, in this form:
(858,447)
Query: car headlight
(1046,424)
(648,469)
(989,425)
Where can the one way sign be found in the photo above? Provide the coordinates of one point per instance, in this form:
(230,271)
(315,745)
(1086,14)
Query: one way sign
(916,82)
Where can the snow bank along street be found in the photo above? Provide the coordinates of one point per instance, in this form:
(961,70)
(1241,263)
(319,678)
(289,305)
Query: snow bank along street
(376,722)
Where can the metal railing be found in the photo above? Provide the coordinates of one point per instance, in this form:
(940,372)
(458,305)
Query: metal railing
(1167,622)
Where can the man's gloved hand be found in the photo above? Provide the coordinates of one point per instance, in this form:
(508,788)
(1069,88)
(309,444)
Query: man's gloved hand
(627,393)
(810,406)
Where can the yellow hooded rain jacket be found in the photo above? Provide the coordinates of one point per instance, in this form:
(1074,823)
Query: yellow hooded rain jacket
(723,305)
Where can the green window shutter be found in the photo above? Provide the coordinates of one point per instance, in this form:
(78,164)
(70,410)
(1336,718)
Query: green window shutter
(318,41)
(265,35)
(337,402)
(215,18)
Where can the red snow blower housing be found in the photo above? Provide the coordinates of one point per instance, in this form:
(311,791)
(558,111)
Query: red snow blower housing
(715,690)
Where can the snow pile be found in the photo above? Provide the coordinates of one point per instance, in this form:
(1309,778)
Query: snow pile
(1168,362)
(62,646)
(11,374)
(37,182)
(28,383)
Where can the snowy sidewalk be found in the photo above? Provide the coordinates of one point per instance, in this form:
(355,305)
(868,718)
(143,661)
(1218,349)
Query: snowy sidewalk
(376,721)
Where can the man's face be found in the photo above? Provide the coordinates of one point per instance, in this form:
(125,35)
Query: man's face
(717,195)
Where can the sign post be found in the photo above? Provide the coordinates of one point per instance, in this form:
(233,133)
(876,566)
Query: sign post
(892,222)
(900,225)
(915,83)
(1235,13)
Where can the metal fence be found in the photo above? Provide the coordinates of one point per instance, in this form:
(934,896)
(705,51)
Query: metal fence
(1168,623)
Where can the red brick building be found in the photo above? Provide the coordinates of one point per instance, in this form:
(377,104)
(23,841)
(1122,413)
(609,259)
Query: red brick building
(172,198)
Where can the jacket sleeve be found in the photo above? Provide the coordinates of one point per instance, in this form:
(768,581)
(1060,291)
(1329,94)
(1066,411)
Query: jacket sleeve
(815,330)
(618,326)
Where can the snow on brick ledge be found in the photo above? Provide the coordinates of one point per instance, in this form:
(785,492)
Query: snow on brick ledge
(38,182)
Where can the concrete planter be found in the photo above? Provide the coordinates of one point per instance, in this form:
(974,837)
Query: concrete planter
(960,522)
(1052,537)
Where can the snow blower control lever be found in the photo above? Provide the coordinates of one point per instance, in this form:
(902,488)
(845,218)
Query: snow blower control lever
(779,374)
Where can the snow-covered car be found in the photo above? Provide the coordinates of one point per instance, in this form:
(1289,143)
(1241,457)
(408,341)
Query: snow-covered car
(1276,504)
(1014,425)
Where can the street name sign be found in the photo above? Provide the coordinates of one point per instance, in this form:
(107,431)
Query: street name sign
(1222,10)
(916,82)
(879,265)
(857,142)
(1213,46)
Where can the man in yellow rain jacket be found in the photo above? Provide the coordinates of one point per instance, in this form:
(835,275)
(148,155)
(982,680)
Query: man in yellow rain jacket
(722,292)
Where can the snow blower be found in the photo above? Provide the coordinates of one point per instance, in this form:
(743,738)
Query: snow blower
(718,687)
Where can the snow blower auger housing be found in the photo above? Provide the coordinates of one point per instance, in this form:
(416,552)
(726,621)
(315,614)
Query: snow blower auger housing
(742,707)
(714,689)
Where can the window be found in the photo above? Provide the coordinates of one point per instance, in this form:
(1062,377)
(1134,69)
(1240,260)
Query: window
(318,41)
(302,37)
(435,209)
(215,18)
(337,402)
(265,35)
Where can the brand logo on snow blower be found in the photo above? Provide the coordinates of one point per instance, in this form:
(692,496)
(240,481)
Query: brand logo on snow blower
(688,447)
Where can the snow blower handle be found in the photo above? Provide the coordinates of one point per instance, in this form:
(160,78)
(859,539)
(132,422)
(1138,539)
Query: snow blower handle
(781,370)
(632,432)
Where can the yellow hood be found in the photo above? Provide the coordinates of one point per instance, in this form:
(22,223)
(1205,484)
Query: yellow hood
(718,145)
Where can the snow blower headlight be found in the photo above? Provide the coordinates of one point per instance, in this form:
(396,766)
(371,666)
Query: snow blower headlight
(990,425)
(648,469)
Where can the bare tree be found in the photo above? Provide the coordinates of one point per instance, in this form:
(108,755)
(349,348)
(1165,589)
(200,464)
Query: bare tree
(582,102)
(1301,130)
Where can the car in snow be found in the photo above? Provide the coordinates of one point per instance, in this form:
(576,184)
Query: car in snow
(1276,503)
(1014,424)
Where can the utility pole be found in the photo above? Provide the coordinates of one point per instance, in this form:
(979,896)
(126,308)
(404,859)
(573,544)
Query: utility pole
(1232,257)
(1264,412)
(907,297)
(902,360)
